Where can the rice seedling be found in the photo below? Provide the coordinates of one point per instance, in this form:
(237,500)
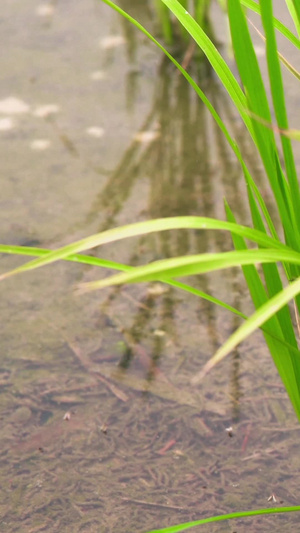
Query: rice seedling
(271,288)
(252,104)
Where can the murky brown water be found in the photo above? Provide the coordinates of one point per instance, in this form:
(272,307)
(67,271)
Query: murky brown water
(85,445)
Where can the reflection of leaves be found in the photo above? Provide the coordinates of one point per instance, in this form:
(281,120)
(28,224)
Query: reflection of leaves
(162,389)
(177,165)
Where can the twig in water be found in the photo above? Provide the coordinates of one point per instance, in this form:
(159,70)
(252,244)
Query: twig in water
(152,504)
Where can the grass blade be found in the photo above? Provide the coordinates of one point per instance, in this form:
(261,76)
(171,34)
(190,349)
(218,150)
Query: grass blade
(194,264)
(143,228)
(277,24)
(286,360)
(277,91)
(251,78)
(219,65)
(229,516)
(260,316)
(271,275)
(95,261)
(104,263)
(294,9)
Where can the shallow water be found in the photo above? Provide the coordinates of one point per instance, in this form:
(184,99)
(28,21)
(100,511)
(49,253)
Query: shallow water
(101,429)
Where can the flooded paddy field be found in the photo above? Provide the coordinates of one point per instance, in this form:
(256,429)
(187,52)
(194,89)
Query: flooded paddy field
(101,429)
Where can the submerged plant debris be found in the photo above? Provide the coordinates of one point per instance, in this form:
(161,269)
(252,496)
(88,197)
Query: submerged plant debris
(89,445)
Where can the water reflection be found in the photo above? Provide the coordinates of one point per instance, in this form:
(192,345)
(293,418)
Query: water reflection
(159,20)
(183,166)
(174,153)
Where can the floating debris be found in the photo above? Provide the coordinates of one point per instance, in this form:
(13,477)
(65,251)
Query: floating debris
(40,144)
(95,131)
(146,136)
(229,431)
(13,106)
(6,124)
(45,10)
(45,111)
(272,498)
(112,41)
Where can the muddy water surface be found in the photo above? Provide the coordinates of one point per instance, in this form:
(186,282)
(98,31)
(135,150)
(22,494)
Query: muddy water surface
(101,430)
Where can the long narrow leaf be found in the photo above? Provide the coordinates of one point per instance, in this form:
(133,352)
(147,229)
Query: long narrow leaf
(277,24)
(272,278)
(284,359)
(143,228)
(294,9)
(214,57)
(104,263)
(255,321)
(283,60)
(194,264)
(279,102)
(95,261)
(229,516)
(247,63)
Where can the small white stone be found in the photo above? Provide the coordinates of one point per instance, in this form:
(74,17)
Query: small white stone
(95,131)
(45,10)
(44,111)
(6,124)
(40,145)
(13,106)
(112,41)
